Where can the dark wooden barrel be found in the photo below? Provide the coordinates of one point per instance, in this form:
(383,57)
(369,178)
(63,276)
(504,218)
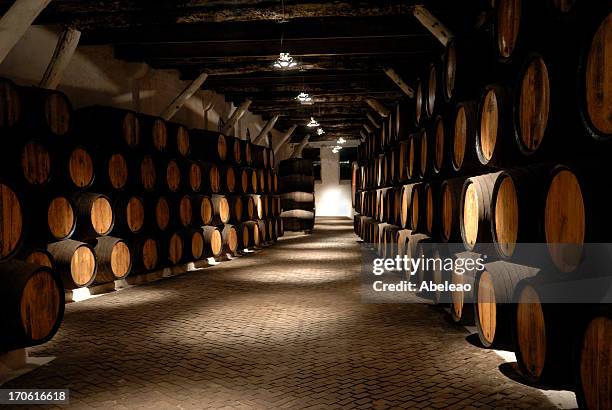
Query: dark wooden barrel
(423,149)
(298,220)
(129,213)
(95,215)
(146,173)
(193,243)
(247,152)
(493,305)
(173,177)
(75,261)
(406,213)
(110,127)
(418,208)
(202,210)
(221,210)
(61,217)
(249,234)
(32,302)
(494,145)
(420,101)
(429,201)
(272,229)
(178,140)
(185,210)
(229,236)
(439,149)
(144,251)
(234,149)
(47,112)
(413,157)
(295,166)
(462,310)
(476,201)
(228,179)
(159,210)
(263,231)
(10,104)
(36,162)
(293,183)
(205,177)
(464,134)
(508,30)
(112,172)
(79,167)
(37,256)
(236,207)
(209,146)
(433,90)
(260,156)
(113,258)
(154,133)
(173,248)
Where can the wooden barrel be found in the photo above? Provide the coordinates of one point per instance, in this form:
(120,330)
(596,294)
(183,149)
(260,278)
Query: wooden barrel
(406,213)
(229,236)
(419,102)
(423,149)
(243,182)
(113,258)
(271,228)
(158,212)
(260,156)
(10,104)
(476,200)
(209,146)
(154,133)
(595,77)
(185,210)
(110,127)
(261,181)
(508,28)
(418,208)
(32,302)
(247,152)
(293,183)
(450,209)
(494,307)
(205,177)
(193,243)
(254,181)
(263,231)
(494,144)
(172,180)
(258,207)
(129,215)
(295,166)
(112,172)
(298,220)
(234,149)
(61,217)
(462,310)
(75,261)
(594,361)
(48,112)
(236,208)
(95,216)
(439,149)
(431,196)
(36,162)
(79,168)
(221,210)
(144,251)
(37,256)
(173,249)
(249,234)
(202,207)
(464,157)
(439,275)
(147,173)
(178,140)
(418,247)
(228,179)
(250,207)
(433,90)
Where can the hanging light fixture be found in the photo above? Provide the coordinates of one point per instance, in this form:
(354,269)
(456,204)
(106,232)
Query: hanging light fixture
(320,131)
(336,149)
(285,61)
(341,140)
(313,123)
(304,98)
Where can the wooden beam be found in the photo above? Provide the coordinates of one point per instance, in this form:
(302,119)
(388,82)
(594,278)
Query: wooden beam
(431,23)
(64,50)
(378,107)
(368,129)
(15,22)
(400,83)
(373,121)
(182,98)
(266,129)
(297,151)
(235,117)
(284,138)
(363,135)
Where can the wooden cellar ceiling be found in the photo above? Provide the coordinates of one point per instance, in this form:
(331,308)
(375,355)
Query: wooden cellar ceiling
(341,47)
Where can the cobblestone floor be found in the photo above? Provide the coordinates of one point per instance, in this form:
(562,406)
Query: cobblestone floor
(284,328)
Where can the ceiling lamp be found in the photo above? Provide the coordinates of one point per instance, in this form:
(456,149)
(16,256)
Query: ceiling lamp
(341,140)
(285,61)
(304,98)
(320,131)
(312,123)
(336,149)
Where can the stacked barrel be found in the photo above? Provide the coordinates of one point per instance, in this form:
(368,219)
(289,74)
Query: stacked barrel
(297,187)
(505,146)
(88,196)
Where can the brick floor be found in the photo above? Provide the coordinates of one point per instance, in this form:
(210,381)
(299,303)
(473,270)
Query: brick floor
(281,329)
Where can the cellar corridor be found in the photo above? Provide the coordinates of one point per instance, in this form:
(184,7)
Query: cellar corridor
(286,331)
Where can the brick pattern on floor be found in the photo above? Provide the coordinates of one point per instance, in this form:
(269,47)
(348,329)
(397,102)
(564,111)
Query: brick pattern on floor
(284,328)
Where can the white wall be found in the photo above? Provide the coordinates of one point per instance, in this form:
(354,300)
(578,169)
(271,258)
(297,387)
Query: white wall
(94,76)
(332,196)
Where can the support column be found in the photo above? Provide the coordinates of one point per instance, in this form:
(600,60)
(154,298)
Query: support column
(265,130)
(297,151)
(284,139)
(378,107)
(66,46)
(394,76)
(432,24)
(182,98)
(16,22)
(235,117)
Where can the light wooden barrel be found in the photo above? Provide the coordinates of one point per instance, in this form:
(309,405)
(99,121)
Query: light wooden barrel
(145,254)
(95,215)
(450,209)
(462,310)
(202,210)
(75,261)
(229,236)
(476,200)
(221,210)
(129,215)
(113,258)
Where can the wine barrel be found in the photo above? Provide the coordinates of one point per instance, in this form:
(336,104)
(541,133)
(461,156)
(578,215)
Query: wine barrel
(439,275)
(595,77)
(464,158)
(476,201)
(112,172)
(272,229)
(462,310)
(154,133)
(221,210)
(271,158)
(236,207)
(494,144)
(259,156)
(172,181)
(298,220)
(146,173)
(592,367)
(508,28)
(433,90)
(294,183)
(10,104)
(202,210)
(32,302)
(406,213)
(204,177)
(429,201)
(418,209)
(413,157)
(249,233)
(46,112)
(178,140)
(247,152)
(79,167)
(234,149)
(113,258)
(75,261)
(144,251)
(258,207)
(493,305)
(61,217)
(261,181)
(109,127)
(173,248)
(250,207)
(95,216)
(36,162)
(418,247)
(193,243)
(439,149)
(229,236)
(403,151)
(263,231)
(295,166)
(420,110)
(450,215)
(37,256)
(185,210)
(228,179)
(129,215)
(244,182)
(209,146)
(422,153)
